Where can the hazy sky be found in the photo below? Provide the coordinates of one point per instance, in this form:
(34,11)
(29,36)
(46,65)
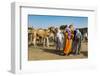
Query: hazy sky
(45,21)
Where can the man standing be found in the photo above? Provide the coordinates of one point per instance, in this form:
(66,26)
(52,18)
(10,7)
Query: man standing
(76,46)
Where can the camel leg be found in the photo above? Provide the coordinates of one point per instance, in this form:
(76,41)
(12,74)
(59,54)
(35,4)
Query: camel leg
(31,39)
(43,42)
(47,42)
(34,41)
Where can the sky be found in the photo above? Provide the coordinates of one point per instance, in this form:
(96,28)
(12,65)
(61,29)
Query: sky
(45,21)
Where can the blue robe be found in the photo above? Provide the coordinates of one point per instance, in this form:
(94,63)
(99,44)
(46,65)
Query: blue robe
(76,46)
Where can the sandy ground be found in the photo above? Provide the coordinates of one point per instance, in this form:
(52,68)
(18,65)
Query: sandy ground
(40,53)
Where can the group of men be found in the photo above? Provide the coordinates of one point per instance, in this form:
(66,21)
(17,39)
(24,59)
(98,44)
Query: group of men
(69,40)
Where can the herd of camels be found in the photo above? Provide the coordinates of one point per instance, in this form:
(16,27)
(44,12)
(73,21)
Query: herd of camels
(44,37)
(41,36)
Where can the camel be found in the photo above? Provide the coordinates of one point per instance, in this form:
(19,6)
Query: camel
(43,35)
(85,37)
(52,33)
(38,34)
(34,32)
(30,35)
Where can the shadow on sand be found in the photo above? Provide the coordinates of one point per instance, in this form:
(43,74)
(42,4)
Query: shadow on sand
(58,52)
(85,53)
(53,51)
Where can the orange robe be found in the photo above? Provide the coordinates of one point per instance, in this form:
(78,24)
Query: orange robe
(68,44)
